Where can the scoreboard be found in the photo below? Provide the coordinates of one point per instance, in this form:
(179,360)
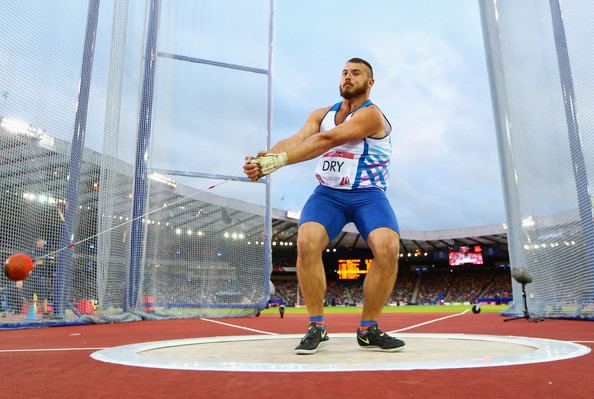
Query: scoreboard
(352,269)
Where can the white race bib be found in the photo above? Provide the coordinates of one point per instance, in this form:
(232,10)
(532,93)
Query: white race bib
(337,169)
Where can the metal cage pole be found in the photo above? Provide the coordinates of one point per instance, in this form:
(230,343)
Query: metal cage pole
(268,216)
(501,113)
(76,156)
(141,170)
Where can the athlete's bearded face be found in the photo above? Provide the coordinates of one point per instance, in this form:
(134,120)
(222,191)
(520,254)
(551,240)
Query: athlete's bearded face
(355,81)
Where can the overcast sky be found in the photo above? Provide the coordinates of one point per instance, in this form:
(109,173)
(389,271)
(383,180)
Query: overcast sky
(430,72)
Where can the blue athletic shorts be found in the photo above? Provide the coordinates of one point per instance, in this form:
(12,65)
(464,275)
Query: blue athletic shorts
(369,209)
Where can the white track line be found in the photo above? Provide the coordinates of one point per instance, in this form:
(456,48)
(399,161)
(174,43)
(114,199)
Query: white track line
(428,322)
(243,328)
(582,342)
(48,350)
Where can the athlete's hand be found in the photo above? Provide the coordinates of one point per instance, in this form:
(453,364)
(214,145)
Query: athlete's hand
(252,170)
(269,163)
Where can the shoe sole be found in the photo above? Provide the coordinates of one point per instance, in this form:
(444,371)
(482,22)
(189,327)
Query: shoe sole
(378,349)
(311,351)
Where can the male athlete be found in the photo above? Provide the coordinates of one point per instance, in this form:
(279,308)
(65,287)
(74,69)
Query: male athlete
(353,137)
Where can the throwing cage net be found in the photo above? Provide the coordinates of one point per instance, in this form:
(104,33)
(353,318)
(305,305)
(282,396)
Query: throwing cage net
(122,136)
(542,79)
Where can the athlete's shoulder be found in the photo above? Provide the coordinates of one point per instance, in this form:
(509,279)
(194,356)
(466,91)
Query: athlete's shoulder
(379,114)
(319,114)
(372,107)
(368,111)
(326,109)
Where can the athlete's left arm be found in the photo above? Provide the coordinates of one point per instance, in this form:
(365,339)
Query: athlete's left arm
(366,122)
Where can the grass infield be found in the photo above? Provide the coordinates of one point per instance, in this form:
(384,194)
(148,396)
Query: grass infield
(395,309)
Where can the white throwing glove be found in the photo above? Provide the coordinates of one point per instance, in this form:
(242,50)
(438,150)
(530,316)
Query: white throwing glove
(268,163)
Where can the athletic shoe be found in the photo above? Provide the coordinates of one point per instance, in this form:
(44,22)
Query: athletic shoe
(312,341)
(375,339)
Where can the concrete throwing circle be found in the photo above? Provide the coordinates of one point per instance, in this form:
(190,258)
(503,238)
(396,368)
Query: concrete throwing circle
(274,353)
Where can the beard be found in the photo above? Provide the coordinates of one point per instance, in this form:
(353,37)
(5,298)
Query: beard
(351,92)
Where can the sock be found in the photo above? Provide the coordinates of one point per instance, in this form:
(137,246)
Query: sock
(365,324)
(319,320)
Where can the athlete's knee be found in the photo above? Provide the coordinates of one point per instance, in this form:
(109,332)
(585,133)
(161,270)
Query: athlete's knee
(311,240)
(385,244)
(307,247)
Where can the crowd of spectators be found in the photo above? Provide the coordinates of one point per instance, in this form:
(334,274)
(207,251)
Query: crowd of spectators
(500,286)
(423,287)
(287,290)
(467,285)
(433,286)
(403,289)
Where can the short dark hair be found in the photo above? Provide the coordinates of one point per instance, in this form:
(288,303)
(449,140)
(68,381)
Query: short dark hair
(362,61)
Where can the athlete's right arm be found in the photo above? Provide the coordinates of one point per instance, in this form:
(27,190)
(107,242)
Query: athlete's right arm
(311,127)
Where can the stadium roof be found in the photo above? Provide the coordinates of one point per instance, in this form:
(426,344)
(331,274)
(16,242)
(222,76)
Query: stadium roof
(285,229)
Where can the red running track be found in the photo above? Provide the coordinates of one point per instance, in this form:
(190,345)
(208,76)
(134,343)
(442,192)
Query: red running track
(73,374)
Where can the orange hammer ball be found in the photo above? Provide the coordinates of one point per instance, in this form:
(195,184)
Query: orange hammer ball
(18,267)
